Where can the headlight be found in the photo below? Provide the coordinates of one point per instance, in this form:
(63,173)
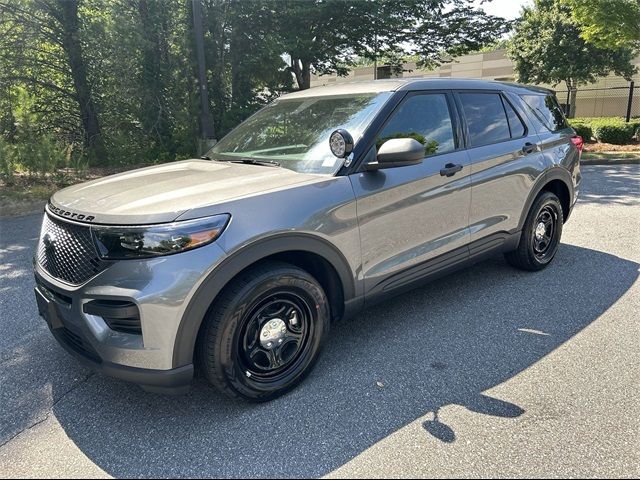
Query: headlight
(116,243)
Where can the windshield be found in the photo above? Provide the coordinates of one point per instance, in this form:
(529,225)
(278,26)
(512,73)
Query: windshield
(295,132)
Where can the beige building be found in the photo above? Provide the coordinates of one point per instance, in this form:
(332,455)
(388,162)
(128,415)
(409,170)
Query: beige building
(608,97)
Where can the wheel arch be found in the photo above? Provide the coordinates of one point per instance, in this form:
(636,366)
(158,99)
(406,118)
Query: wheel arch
(313,254)
(556,180)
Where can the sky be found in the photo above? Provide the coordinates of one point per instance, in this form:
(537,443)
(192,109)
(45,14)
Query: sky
(508,9)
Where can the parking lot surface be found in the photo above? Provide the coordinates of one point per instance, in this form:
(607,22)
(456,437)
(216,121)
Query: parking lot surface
(488,372)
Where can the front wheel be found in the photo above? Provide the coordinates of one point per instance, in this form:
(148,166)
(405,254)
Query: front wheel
(264,333)
(540,236)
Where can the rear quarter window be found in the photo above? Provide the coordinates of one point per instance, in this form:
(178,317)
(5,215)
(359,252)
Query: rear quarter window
(547,110)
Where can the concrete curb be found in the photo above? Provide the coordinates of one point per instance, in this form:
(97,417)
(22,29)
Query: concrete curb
(613,161)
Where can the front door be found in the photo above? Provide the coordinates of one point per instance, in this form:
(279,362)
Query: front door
(409,216)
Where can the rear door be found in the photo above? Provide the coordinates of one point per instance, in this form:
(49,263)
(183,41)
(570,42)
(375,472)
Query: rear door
(410,215)
(504,152)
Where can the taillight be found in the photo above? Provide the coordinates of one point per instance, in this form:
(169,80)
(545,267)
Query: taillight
(578,142)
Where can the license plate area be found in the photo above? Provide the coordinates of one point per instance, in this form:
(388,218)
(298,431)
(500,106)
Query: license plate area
(48,310)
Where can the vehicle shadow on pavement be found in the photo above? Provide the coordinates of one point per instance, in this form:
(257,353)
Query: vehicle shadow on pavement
(401,361)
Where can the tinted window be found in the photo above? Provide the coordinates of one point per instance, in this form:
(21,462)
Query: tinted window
(425,118)
(547,110)
(486,118)
(515,123)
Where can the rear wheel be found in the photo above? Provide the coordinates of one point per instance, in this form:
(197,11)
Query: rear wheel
(540,236)
(264,333)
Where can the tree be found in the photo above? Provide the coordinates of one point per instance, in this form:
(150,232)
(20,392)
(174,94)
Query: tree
(547,48)
(327,36)
(608,23)
(451,28)
(120,76)
(154,77)
(65,12)
(260,76)
(147,82)
(42,49)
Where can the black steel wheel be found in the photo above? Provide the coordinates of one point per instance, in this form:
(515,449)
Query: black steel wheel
(541,234)
(544,229)
(264,333)
(275,335)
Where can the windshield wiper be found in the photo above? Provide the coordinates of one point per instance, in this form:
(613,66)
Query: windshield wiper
(254,161)
(251,161)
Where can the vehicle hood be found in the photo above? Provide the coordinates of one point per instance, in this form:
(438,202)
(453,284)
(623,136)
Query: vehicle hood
(164,192)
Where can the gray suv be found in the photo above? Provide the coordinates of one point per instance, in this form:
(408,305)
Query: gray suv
(324,202)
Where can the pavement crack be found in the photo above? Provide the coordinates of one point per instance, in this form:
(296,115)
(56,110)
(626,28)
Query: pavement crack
(25,429)
(73,388)
(70,390)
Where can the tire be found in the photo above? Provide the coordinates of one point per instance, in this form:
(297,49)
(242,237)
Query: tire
(264,333)
(536,249)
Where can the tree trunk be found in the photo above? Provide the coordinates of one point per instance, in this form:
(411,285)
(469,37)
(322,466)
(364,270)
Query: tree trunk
(241,94)
(73,50)
(207,131)
(306,75)
(302,70)
(216,61)
(155,119)
(573,91)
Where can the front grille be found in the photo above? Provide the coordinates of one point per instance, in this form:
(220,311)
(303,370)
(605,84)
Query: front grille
(67,252)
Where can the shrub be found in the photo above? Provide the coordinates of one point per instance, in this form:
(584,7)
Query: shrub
(615,131)
(7,161)
(583,129)
(607,129)
(40,155)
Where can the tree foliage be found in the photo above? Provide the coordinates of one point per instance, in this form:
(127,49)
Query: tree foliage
(115,81)
(327,36)
(608,23)
(547,48)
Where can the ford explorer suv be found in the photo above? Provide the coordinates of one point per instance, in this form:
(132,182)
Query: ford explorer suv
(324,202)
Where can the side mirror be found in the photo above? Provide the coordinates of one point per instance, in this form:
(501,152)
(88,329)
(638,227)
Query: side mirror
(398,152)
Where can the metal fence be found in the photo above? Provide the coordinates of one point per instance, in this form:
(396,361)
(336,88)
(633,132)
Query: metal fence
(614,101)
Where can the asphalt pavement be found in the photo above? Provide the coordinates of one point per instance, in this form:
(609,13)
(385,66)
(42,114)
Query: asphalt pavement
(489,372)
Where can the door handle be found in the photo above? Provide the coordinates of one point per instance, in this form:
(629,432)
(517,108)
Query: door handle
(450,170)
(528,148)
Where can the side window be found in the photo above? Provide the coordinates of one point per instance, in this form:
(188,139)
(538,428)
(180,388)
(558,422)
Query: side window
(426,118)
(546,108)
(486,118)
(515,122)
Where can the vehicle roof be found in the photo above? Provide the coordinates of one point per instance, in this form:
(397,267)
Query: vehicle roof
(406,84)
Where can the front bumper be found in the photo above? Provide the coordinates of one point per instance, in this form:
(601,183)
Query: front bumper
(159,288)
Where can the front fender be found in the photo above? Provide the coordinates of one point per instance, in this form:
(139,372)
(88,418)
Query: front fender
(236,262)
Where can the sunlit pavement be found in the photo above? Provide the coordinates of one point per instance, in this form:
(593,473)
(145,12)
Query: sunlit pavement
(489,372)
